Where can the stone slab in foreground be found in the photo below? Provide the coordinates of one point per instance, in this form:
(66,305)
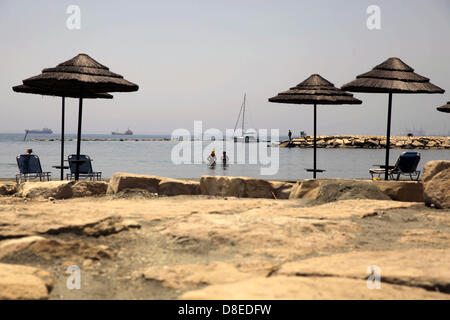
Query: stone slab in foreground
(426,268)
(23,282)
(296,288)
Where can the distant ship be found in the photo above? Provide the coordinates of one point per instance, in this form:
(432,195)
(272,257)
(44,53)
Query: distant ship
(126,133)
(43,131)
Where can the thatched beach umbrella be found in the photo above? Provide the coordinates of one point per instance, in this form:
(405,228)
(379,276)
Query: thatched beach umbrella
(391,76)
(315,90)
(81,74)
(53,92)
(444,108)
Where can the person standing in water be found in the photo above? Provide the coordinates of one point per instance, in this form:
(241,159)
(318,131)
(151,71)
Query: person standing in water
(290,135)
(224,158)
(212,158)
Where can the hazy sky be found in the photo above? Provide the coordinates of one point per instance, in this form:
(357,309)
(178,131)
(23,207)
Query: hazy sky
(193,60)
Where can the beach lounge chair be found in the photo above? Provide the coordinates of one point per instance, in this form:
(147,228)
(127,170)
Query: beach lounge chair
(85,168)
(406,165)
(30,168)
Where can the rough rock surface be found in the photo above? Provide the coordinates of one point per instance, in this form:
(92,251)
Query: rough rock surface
(296,288)
(329,190)
(153,184)
(188,242)
(426,268)
(432,168)
(436,183)
(194,275)
(21,224)
(7,189)
(52,248)
(243,187)
(87,188)
(54,189)
(23,282)
(62,189)
(280,234)
(402,190)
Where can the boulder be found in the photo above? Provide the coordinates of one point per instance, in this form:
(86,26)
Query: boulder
(359,142)
(173,187)
(431,168)
(372,143)
(62,189)
(54,189)
(436,183)
(122,181)
(153,184)
(329,190)
(411,191)
(51,248)
(8,189)
(244,187)
(24,283)
(87,188)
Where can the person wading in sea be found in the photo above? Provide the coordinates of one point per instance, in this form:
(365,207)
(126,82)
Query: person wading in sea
(212,159)
(224,158)
(290,135)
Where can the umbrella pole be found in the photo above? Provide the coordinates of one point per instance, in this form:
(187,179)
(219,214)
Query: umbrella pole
(388,138)
(315,145)
(62,136)
(80,116)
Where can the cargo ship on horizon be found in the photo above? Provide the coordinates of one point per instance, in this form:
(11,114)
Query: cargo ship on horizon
(126,133)
(43,131)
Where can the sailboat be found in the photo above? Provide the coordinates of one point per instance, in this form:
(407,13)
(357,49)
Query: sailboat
(246,136)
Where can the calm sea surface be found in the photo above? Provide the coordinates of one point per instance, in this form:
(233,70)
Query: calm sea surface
(154,158)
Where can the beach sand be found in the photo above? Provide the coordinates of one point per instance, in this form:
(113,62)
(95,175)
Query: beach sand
(206,247)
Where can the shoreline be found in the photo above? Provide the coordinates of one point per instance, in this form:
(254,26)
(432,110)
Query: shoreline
(369,142)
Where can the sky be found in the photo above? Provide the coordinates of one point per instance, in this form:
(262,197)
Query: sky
(194,60)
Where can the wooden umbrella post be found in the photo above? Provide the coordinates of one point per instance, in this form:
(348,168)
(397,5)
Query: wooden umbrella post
(315,144)
(80,116)
(388,138)
(62,135)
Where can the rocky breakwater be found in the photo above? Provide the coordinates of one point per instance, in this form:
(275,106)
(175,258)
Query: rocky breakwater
(368,142)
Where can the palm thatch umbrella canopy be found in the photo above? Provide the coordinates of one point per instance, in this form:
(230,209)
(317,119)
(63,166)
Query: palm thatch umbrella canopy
(315,90)
(391,76)
(81,75)
(53,92)
(444,108)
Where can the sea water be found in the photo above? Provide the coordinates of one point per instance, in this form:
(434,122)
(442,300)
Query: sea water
(154,158)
